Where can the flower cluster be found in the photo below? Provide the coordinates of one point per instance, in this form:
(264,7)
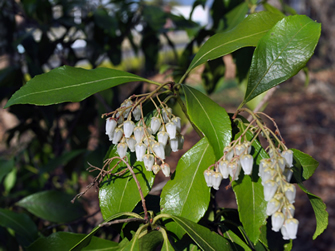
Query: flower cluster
(275,173)
(151,143)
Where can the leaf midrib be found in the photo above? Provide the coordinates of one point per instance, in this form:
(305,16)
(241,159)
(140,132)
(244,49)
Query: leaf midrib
(17,223)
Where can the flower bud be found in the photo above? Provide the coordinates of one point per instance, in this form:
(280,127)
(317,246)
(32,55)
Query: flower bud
(122,149)
(138,133)
(277,220)
(270,188)
(177,122)
(137,113)
(234,169)
(174,145)
(128,128)
(159,150)
(239,149)
(165,169)
(131,143)
(247,162)
(166,114)
(140,149)
(156,168)
(290,191)
(155,124)
(229,151)
(223,168)
(118,133)
(284,233)
(268,174)
(148,160)
(163,137)
(171,130)
(208,177)
(291,225)
(272,207)
(288,156)
(216,180)
(247,145)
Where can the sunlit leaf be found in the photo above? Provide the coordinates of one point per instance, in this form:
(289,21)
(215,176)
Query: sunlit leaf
(308,164)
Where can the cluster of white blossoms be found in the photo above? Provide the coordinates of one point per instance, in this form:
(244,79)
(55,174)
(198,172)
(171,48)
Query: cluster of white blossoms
(275,173)
(152,143)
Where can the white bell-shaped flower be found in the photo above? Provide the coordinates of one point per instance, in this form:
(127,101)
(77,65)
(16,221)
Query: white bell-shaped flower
(166,113)
(128,128)
(148,160)
(270,188)
(131,143)
(119,117)
(288,211)
(290,192)
(168,149)
(281,162)
(208,177)
(156,168)
(272,206)
(247,145)
(174,145)
(149,131)
(268,174)
(122,149)
(126,104)
(284,233)
(288,156)
(155,124)
(247,162)
(110,128)
(180,141)
(177,122)
(223,168)
(159,150)
(140,150)
(171,130)
(138,133)
(165,169)
(277,220)
(288,174)
(234,169)
(274,152)
(137,113)
(263,164)
(239,149)
(229,151)
(291,225)
(118,133)
(162,137)
(216,180)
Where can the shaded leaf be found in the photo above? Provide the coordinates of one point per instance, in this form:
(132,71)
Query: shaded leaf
(187,194)
(25,229)
(308,164)
(235,241)
(69,84)
(210,118)
(282,53)
(53,206)
(120,193)
(6,166)
(236,15)
(150,241)
(65,240)
(247,33)
(204,238)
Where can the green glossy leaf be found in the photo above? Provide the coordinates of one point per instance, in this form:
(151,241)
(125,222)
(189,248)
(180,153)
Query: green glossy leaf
(272,9)
(25,229)
(150,241)
(6,166)
(282,53)
(83,242)
(53,206)
(249,195)
(187,194)
(204,238)
(307,163)
(166,243)
(69,84)
(271,240)
(319,207)
(237,244)
(247,33)
(120,193)
(210,118)
(64,241)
